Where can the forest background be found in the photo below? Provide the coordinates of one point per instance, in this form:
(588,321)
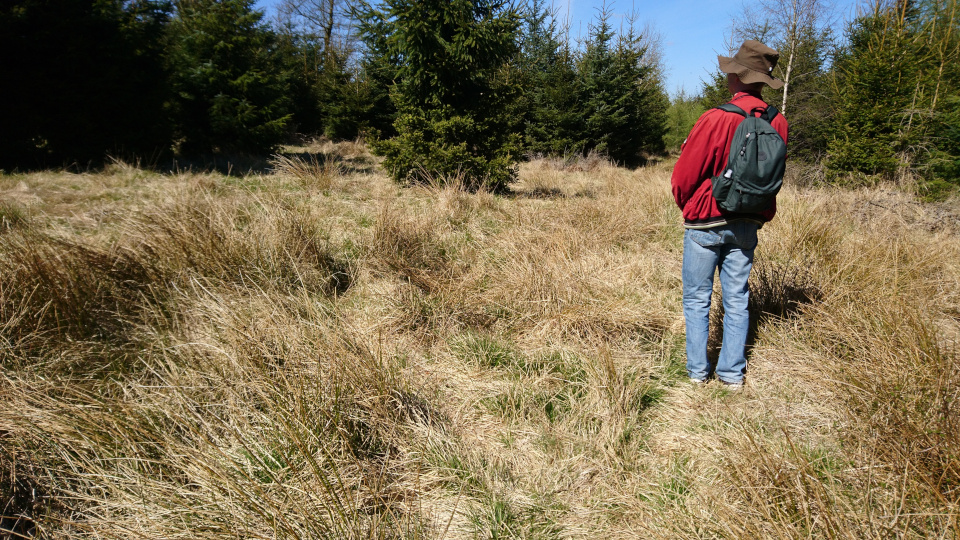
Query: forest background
(466,87)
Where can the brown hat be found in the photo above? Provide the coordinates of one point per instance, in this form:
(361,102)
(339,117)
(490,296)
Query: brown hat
(753,63)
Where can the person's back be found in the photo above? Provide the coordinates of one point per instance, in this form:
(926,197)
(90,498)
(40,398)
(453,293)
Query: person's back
(715,238)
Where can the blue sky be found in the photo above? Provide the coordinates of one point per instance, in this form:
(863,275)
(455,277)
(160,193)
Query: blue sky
(693,32)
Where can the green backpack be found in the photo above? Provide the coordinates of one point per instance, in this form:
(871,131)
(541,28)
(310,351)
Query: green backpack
(754,172)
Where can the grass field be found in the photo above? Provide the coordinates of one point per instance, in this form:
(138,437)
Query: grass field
(316,352)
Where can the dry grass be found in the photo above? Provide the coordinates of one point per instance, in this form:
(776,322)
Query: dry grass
(310,171)
(317,353)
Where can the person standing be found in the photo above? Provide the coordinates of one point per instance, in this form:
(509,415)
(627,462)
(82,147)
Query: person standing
(715,238)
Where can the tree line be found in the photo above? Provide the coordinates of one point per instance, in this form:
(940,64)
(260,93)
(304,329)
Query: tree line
(463,88)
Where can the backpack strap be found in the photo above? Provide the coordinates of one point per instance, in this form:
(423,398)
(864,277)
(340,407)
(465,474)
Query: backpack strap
(770,113)
(767,114)
(730,107)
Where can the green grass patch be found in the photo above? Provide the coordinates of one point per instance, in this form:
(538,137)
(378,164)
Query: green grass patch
(531,403)
(496,518)
(674,486)
(487,351)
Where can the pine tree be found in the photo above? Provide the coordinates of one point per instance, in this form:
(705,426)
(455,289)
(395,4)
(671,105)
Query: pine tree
(551,118)
(624,106)
(452,94)
(231,95)
(682,113)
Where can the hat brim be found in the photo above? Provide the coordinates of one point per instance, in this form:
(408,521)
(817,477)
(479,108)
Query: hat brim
(747,75)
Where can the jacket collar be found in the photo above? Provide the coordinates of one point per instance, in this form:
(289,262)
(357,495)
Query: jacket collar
(739,95)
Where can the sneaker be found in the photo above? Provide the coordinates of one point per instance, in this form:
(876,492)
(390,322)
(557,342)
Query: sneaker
(697,382)
(732,386)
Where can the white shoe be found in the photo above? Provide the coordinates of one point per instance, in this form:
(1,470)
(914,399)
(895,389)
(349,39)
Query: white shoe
(732,386)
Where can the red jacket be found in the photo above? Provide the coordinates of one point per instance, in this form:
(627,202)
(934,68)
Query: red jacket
(704,155)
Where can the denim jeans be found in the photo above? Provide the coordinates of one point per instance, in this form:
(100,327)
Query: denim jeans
(729,247)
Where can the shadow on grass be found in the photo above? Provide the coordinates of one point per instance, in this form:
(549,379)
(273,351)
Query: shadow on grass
(232,165)
(776,292)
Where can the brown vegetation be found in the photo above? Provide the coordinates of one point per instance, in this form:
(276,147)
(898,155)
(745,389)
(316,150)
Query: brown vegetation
(318,353)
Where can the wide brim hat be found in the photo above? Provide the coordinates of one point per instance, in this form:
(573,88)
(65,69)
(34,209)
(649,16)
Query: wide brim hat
(753,63)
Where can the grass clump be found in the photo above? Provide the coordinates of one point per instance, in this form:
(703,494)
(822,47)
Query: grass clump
(63,288)
(309,170)
(12,216)
(263,243)
(488,351)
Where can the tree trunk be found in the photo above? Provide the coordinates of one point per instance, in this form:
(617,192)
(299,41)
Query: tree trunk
(328,25)
(786,82)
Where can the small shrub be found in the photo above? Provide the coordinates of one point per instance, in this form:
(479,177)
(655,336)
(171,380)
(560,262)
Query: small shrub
(800,174)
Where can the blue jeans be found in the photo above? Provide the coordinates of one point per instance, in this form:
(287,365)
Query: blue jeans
(729,247)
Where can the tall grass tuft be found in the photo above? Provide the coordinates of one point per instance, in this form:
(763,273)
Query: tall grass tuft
(310,170)
(257,243)
(12,216)
(61,288)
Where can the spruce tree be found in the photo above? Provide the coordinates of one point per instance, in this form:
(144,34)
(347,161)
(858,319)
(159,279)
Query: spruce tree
(682,113)
(301,60)
(869,99)
(320,54)
(452,93)
(809,111)
(230,91)
(938,154)
(623,103)
(551,117)
(896,99)
(379,70)
(644,99)
(800,31)
(944,158)
(714,91)
(876,75)
(346,97)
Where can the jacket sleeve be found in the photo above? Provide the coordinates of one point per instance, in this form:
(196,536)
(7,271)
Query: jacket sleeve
(700,155)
